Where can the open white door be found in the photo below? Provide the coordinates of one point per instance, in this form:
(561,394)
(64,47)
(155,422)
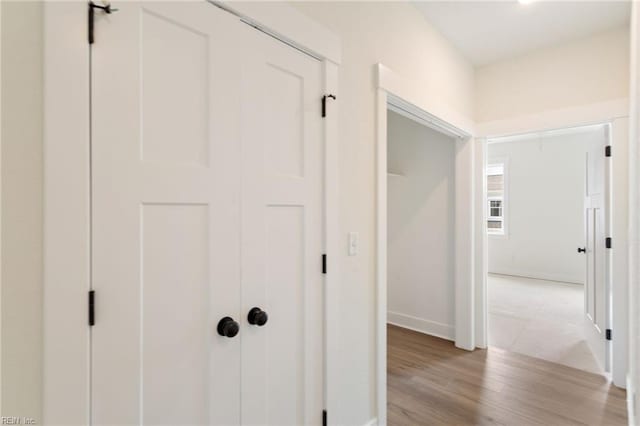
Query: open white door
(597,257)
(206,203)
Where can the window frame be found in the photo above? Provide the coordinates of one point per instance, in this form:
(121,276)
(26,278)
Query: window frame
(502,232)
(490,207)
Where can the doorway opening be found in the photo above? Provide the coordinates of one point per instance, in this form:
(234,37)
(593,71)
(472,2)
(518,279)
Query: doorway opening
(445,182)
(420,227)
(547,222)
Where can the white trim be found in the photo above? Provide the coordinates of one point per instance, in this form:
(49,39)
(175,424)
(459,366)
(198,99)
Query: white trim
(288,25)
(633,229)
(1,411)
(465,250)
(536,275)
(66,214)
(372,422)
(631,395)
(66,198)
(481,244)
(381,256)
(491,168)
(619,222)
(556,119)
(419,115)
(432,328)
(332,242)
(550,132)
(403,93)
(608,189)
(395,93)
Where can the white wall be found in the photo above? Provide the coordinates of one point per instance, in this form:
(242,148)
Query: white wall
(420,207)
(545,206)
(394,34)
(21,209)
(581,72)
(391,33)
(633,378)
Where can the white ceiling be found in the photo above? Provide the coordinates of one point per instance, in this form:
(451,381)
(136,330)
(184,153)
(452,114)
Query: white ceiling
(486,32)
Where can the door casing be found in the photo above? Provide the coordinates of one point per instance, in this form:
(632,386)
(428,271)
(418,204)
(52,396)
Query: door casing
(67,214)
(471,289)
(395,93)
(605,128)
(616,113)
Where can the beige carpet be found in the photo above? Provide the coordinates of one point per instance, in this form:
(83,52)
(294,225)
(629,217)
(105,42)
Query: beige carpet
(543,319)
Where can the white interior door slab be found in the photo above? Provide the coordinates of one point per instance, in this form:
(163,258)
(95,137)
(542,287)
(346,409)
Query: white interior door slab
(596,285)
(206,202)
(282,239)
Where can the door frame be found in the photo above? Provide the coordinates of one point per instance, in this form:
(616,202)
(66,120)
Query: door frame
(396,93)
(605,127)
(615,113)
(67,192)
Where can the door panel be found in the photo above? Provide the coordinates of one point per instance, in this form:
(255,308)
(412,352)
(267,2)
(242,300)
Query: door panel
(599,270)
(596,288)
(207,201)
(282,241)
(174,292)
(590,285)
(175,121)
(285,349)
(165,215)
(286,151)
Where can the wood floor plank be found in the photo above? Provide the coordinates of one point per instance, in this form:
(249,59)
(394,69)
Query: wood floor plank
(431,382)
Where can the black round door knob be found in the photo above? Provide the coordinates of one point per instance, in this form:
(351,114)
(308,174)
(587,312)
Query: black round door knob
(582,250)
(257,317)
(227,327)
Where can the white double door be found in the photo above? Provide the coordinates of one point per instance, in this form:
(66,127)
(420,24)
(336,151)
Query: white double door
(207,197)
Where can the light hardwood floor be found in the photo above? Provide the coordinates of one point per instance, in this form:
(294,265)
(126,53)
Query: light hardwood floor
(431,382)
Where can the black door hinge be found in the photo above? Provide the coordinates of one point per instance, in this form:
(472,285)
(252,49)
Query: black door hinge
(324,263)
(324,103)
(92,307)
(92,16)
(324,417)
(607,151)
(608,242)
(608,334)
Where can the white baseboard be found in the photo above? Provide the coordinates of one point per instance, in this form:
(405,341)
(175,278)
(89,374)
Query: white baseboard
(421,325)
(372,422)
(537,275)
(631,394)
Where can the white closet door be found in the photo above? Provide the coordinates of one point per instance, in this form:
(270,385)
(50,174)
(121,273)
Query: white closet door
(166,214)
(207,200)
(282,235)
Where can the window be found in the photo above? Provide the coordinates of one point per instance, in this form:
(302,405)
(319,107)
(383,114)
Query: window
(495,199)
(495,208)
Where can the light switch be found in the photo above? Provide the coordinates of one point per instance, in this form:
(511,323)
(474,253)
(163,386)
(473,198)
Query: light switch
(353,243)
